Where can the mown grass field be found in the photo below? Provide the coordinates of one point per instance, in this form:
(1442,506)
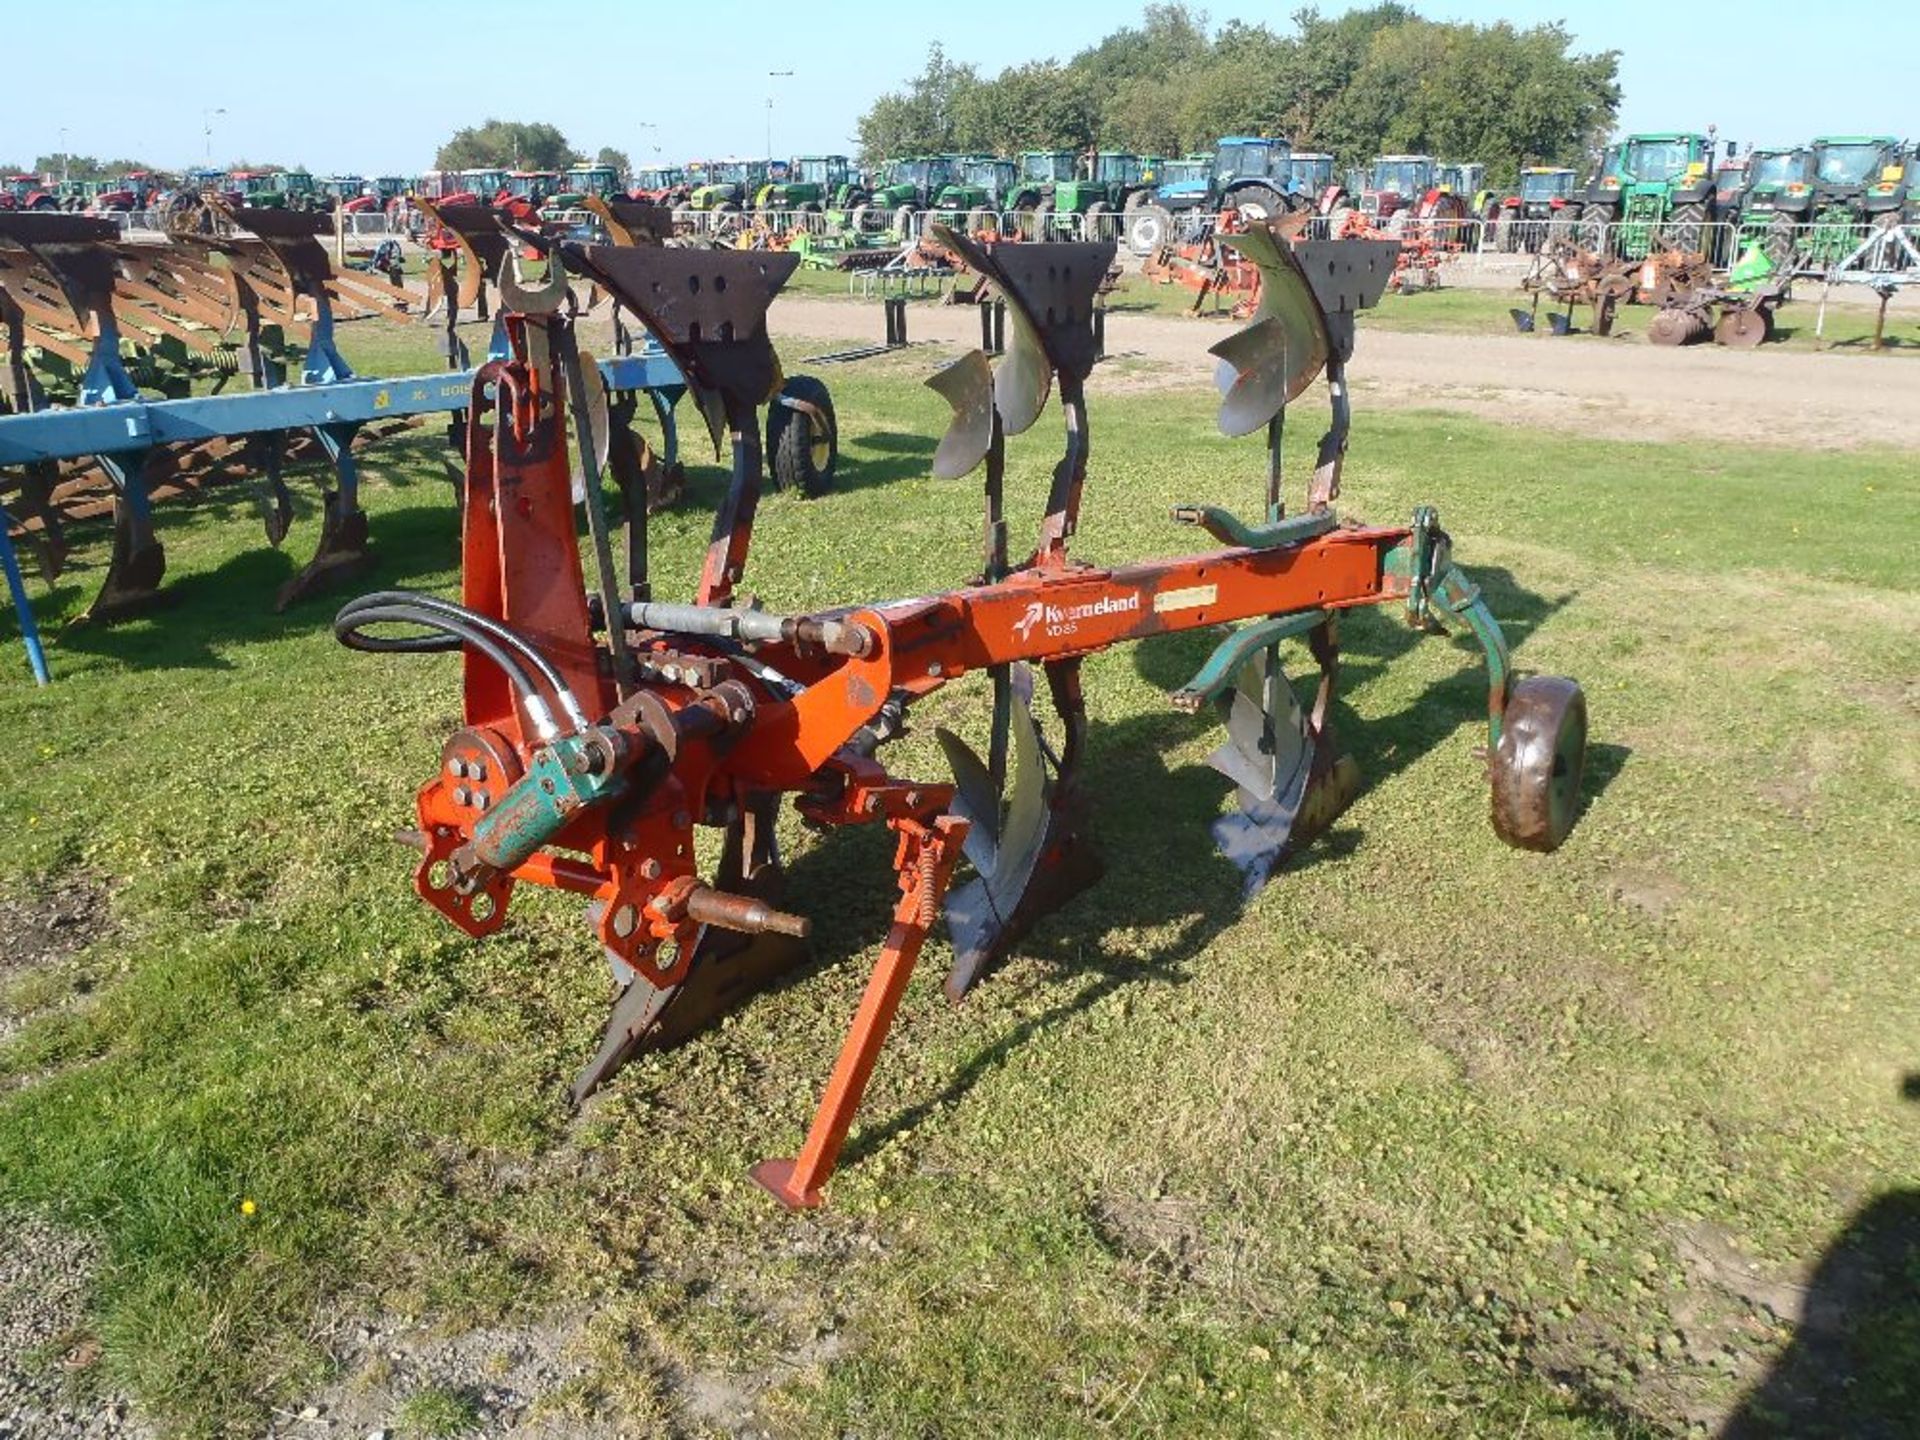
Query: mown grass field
(1432,1137)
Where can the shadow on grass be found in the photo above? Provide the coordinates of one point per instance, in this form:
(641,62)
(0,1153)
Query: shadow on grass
(1853,1368)
(233,602)
(1201,897)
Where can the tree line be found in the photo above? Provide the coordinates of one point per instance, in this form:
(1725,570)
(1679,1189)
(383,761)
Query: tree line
(517,145)
(1375,81)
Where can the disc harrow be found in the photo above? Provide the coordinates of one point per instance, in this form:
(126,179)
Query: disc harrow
(603,726)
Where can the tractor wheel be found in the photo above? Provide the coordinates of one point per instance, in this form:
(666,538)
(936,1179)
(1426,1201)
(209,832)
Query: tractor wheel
(803,445)
(1506,234)
(1042,219)
(857,221)
(903,220)
(1779,242)
(1259,203)
(1590,233)
(1099,222)
(1135,199)
(1148,228)
(1686,228)
(1537,765)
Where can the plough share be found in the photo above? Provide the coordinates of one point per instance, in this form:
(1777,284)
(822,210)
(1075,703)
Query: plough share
(601,728)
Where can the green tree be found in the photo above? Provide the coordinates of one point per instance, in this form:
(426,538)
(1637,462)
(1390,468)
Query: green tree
(1370,80)
(506,145)
(616,159)
(922,119)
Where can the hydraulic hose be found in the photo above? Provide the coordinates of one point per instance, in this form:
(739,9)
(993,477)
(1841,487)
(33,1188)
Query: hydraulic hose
(450,626)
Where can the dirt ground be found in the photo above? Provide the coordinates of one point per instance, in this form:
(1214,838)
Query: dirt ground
(1620,387)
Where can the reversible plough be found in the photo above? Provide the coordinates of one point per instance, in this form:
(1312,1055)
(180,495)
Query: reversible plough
(603,727)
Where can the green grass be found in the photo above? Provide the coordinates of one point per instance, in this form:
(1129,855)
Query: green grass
(435,1413)
(1416,1142)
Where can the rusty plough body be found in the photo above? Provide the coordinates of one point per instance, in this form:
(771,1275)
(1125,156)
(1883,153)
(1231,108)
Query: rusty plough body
(603,726)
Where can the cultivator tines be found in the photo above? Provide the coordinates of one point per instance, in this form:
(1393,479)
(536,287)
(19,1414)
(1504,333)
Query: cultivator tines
(601,731)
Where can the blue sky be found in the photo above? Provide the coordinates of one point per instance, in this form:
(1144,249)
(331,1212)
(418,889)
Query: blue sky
(360,93)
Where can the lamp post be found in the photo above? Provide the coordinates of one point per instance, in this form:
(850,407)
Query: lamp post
(206,126)
(773,75)
(66,160)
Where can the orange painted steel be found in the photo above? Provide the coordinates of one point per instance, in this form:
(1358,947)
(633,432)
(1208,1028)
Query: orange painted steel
(925,860)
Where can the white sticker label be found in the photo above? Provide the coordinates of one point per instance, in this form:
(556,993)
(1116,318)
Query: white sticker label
(1189,599)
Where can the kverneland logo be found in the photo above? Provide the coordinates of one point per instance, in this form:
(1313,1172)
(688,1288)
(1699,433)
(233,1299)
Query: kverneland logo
(1065,619)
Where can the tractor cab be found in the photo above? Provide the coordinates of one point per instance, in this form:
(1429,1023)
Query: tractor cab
(982,182)
(1396,182)
(1468,180)
(809,182)
(657,182)
(1250,174)
(1309,173)
(585,180)
(533,186)
(916,182)
(260,189)
(389,188)
(1048,167)
(487,184)
(829,172)
(299,189)
(728,184)
(25,192)
(1544,188)
(1118,175)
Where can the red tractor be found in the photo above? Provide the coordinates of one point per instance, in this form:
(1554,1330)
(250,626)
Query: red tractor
(26,192)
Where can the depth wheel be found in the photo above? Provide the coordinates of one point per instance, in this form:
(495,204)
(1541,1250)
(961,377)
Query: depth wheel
(803,444)
(1537,766)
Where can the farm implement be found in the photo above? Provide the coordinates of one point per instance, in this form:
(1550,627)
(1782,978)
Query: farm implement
(604,726)
(109,342)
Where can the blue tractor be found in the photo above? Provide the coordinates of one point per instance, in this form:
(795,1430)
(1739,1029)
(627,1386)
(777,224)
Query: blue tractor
(1250,173)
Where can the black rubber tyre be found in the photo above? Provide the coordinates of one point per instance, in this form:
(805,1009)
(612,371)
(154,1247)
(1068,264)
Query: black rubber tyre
(1686,228)
(903,219)
(1537,766)
(803,449)
(1099,222)
(1259,202)
(1779,244)
(1592,228)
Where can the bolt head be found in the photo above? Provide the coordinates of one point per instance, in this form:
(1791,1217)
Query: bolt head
(457,768)
(649,869)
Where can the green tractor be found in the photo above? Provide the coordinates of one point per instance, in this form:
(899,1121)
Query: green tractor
(903,189)
(1655,189)
(980,190)
(812,184)
(727,185)
(1774,195)
(1041,173)
(580,181)
(1855,183)
(1121,181)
